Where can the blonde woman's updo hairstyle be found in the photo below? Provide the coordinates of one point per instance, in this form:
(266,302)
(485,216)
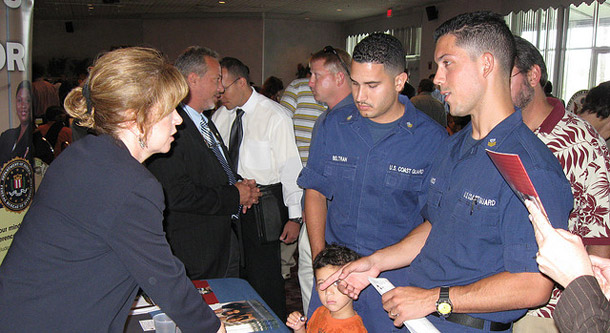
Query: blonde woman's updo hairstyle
(130,84)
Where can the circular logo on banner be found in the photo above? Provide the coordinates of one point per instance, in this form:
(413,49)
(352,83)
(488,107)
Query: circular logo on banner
(16,185)
(576,102)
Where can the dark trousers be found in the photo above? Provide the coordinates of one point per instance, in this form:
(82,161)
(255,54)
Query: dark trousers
(263,266)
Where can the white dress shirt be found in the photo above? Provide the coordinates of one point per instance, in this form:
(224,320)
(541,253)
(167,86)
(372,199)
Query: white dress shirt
(268,152)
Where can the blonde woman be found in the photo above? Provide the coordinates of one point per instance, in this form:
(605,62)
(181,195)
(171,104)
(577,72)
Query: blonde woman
(94,234)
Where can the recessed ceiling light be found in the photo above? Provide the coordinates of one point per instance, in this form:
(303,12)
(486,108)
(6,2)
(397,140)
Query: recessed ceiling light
(222,2)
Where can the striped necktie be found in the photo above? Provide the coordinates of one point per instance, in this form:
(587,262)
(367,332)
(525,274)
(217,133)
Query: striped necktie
(215,146)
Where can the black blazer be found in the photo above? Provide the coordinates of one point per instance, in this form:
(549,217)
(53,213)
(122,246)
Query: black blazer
(91,238)
(199,201)
(23,146)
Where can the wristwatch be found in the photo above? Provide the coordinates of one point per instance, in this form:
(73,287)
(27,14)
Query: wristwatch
(298,220)
(444,307)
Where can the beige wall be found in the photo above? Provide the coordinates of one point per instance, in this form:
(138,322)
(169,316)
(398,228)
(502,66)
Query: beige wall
(288,43)
(51,40)
(268,47)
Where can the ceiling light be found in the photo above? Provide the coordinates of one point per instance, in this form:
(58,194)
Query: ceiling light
(222,2)
(339,9)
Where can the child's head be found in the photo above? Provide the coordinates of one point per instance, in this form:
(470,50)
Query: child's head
(326,263)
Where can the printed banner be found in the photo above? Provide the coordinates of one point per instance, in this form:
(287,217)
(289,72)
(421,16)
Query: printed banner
(16,121)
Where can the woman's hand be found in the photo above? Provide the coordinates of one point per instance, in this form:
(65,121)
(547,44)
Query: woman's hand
(561,255)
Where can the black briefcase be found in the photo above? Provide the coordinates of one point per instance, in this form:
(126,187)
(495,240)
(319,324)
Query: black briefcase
(270,213)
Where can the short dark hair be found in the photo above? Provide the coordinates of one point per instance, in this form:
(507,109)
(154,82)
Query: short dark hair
(598,101)
(334,255)
(482,32)
(426,85)
(408,90)
(331,60)
(272,86)
(192,60)
(548,88)
(382,49)
(236,68)
(528,56)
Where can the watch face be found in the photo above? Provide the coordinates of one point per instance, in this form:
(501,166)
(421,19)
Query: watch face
(444,308)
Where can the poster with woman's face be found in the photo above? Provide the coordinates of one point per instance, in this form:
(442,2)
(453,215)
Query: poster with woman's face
(16,122)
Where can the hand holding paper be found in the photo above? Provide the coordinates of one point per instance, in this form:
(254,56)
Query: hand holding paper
(561,255)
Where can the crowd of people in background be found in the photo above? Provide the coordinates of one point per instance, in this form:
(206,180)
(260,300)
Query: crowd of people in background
(349,153)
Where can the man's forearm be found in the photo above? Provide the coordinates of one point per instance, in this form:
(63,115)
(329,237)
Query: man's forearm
(402,253)
(315,212)
(501,292)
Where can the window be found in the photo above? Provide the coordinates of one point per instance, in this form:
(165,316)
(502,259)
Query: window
(410,37)
(581,59)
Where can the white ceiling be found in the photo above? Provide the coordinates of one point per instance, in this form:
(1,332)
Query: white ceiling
(319,10)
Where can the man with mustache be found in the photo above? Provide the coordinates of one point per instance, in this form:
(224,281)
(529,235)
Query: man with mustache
(471,265)
(367,163)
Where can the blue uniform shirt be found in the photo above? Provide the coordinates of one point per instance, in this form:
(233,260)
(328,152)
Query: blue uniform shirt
(375,190)
(479,226)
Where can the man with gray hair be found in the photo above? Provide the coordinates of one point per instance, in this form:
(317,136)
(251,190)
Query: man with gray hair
(203,194)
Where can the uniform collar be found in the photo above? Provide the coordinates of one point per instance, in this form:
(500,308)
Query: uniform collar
(408,121)
(554,117)
(498,134)
(349,99)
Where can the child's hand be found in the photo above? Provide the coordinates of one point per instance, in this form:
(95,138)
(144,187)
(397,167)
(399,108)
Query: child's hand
(296,321)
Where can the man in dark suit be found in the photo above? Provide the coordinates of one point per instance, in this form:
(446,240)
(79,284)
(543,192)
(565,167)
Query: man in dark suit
(202,195)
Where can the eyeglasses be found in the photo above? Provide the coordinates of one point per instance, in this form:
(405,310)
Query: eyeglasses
(518,72)
(227,87)
(330,49)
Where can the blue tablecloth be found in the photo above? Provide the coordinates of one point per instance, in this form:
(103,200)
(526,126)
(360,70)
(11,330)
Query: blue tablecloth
(226,290)
(232,289)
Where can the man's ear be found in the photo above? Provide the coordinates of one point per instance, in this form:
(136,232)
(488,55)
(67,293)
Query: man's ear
(488,63)
(533,75)
(340,77)
(400,80)
(192,79)
(242,82)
